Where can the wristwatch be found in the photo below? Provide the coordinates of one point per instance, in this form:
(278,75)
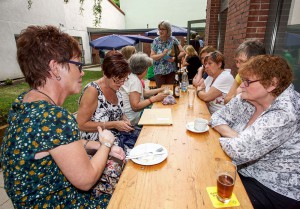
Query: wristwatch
(107,144)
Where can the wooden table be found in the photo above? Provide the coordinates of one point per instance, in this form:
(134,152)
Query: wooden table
(181,180)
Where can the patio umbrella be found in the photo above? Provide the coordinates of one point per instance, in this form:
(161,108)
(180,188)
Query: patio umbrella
(176,31)
(140,38)
(112,42)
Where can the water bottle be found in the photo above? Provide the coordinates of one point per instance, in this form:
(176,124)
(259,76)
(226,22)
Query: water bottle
(184,81)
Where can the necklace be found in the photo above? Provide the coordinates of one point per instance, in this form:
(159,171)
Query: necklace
(46,96)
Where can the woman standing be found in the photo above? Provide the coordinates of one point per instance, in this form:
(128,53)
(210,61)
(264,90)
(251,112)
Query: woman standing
(217,84)
(192,62)
(164,65)
(44,161)
(261,132)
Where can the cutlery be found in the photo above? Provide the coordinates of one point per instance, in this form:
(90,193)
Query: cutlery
(156,152)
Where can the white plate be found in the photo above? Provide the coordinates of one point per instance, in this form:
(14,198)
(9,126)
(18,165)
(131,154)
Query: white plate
(190,127)
(148,160)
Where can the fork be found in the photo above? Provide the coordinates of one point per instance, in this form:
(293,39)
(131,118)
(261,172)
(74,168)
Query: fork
(156,152)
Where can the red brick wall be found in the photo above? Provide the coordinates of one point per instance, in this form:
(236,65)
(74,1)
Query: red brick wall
(246,19)
(211,29)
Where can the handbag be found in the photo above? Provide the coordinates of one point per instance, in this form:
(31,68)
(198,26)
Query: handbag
(109,178)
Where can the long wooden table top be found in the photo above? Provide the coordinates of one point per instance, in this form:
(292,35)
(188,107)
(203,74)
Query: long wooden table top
(181,180)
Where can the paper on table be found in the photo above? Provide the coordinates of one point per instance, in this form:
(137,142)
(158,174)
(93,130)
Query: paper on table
(157,116)
(212,192)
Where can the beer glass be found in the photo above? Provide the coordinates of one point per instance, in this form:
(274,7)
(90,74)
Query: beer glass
(226,175)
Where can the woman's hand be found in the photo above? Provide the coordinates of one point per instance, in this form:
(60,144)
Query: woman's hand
(159,97)
(197,80)
(106,136)
(123,125)
(117,152)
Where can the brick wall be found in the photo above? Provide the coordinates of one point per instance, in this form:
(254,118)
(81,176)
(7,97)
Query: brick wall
(246,19)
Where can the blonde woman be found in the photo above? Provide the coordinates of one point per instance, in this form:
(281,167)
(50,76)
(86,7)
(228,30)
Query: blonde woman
(128,51)
(192,62)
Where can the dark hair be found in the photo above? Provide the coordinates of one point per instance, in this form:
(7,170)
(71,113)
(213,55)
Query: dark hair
(115,65)
(266,68)
(216,57)
(37,46)
(251,48)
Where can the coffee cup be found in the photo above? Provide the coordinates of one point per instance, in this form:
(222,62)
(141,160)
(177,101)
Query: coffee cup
(200,124)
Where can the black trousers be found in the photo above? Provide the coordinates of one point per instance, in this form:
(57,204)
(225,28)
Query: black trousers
(264,198)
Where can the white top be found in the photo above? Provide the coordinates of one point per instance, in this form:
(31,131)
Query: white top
(268,150)
(133,84)
(223,83)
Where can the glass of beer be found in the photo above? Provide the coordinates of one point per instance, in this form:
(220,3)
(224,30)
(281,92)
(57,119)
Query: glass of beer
(226,174)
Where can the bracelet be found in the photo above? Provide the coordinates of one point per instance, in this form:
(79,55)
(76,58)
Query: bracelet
(150,100)
(84,146)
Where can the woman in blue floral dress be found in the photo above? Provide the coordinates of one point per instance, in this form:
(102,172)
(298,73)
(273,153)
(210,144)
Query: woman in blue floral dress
(45,164)
(165,65)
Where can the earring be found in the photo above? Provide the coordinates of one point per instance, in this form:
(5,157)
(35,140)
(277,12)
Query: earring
(58,78)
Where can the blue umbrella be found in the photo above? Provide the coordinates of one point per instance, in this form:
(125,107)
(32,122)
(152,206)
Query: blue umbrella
(112,42)
(140,38)
(176,31)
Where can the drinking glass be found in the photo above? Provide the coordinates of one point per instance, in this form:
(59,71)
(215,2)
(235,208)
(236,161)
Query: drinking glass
(226,175)
(191,95)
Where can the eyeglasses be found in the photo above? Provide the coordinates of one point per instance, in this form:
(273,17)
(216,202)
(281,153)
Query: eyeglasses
(119,81)
(78,64)
(162,29)
(238,61)
(247,82)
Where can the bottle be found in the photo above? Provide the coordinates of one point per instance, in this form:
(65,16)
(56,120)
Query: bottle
(184,81)
(176,87)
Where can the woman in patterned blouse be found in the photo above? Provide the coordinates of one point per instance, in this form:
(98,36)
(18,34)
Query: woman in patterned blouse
(260,131)
(45,164)
(164,65)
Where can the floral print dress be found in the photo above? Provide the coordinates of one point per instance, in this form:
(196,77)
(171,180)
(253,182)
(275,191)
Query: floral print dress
(39,183)
(105,112)
(163,66)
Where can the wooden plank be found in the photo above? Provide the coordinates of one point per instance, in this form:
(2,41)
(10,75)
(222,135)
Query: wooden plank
(181,180)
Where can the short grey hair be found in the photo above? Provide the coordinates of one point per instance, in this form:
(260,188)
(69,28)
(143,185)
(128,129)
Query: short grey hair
(139,63)
(251,48)
(166,25)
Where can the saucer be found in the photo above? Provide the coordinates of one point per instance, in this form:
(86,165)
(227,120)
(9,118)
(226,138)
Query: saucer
(190,127)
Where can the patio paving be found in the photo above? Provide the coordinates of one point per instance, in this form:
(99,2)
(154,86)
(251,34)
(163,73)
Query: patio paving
(5,202)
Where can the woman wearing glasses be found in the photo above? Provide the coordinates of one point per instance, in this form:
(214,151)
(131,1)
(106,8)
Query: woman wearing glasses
(165,65)
(215,87)
(101,102)
(44,160)
(261,132)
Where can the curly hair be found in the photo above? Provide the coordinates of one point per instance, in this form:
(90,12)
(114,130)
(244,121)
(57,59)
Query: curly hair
(115,65)
(37,46)
(266,68)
